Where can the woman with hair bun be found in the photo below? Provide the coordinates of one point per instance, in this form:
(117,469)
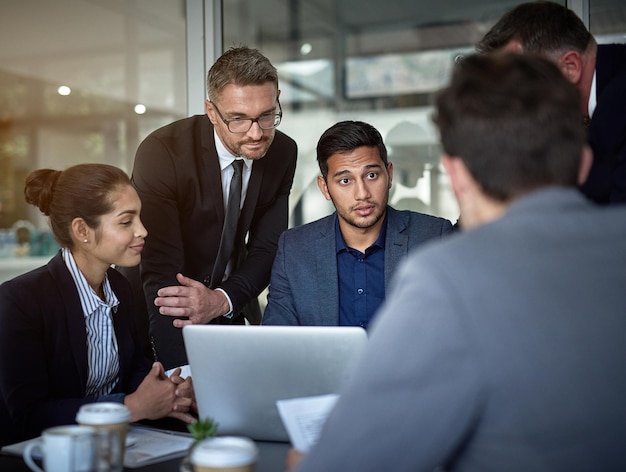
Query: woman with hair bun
(67,333)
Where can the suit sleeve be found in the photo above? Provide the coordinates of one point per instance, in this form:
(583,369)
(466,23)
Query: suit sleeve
(618,190)
(34,398)
(414,394)
(280,309)
(155,179)
(606,182)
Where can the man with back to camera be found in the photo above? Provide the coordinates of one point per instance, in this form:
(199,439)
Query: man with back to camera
(335,271)
(183,173)
(598,71)
(502,347)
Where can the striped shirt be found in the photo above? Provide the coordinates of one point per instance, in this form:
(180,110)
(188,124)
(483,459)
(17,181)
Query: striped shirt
(102,351)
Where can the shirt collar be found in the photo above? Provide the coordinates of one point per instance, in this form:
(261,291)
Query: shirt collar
(341,245)
(88,298)
(225,156)
(591,106)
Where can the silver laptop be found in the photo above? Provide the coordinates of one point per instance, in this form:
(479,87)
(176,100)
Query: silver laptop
(239,372)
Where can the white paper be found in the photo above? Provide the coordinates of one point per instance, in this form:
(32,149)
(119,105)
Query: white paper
(185,371)
(304,417)
(147,446)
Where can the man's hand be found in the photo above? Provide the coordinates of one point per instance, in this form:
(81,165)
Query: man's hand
(193,300)
(294,457)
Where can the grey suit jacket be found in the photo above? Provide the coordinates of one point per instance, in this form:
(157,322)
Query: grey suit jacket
(500,349)
(304,283)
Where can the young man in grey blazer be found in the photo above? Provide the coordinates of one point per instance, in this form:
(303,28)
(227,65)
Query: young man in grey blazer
(501,348)
(335,271)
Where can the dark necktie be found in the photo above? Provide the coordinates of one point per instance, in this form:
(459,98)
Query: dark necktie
(230,225)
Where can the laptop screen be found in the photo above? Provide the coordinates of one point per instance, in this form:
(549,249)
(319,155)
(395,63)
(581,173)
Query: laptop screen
(239,372)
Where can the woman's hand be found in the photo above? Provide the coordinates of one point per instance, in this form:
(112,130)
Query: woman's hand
(186,399)
(158,396)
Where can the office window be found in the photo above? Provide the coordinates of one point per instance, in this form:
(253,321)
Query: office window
(80,81)
(379,62)
(75,76)
(607,20)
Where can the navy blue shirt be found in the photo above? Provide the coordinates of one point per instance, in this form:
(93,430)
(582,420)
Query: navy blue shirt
(361,279)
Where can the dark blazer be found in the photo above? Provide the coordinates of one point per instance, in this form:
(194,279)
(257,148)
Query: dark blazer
(304,289)
(178,178)
(43,349)
(607,132)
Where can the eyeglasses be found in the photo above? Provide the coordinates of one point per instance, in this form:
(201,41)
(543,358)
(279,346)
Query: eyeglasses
(243,125)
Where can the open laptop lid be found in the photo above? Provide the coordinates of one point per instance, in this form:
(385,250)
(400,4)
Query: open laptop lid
(240,371)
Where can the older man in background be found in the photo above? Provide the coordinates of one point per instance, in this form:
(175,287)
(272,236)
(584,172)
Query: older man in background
(599,73)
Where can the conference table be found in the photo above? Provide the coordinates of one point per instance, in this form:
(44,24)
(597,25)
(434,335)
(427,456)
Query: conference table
(271,459)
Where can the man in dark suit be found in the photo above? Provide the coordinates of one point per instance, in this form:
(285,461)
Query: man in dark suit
(501,348)
(334,271)
(183,172)
(598,71)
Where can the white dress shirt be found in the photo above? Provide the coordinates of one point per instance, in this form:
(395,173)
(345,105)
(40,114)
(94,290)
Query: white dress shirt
(102,350)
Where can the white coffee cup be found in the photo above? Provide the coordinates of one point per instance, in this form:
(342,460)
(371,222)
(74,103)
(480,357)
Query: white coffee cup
(111,419)
(65,449)
(224,454)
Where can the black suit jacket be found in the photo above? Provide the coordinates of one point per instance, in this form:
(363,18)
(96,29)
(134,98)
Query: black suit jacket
(178,178)
(607,132)
(43,350)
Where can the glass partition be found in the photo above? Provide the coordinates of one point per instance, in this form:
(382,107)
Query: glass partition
(86,80)
(378,62)
(607,20)
(80,81)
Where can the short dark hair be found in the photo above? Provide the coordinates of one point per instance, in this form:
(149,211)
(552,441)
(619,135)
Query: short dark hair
(84,191)
(541,27)
(514,120)
(346,136)
(240,66)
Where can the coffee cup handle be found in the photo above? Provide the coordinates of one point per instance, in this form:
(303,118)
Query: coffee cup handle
(28,458)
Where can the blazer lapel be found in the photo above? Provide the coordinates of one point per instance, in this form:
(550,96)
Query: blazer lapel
(210,170)
(327,294)
(74,317)
(396,242)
